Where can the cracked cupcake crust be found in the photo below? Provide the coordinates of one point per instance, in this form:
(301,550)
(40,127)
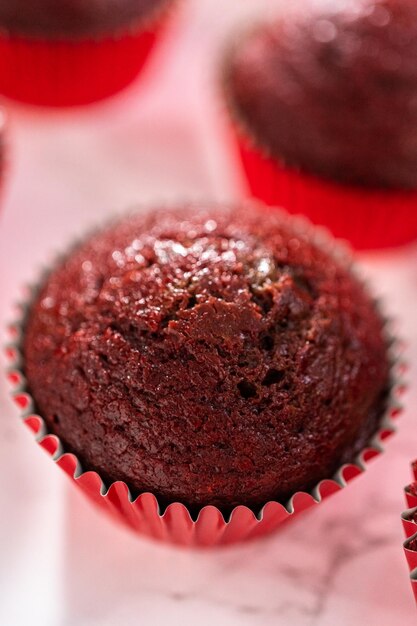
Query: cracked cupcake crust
(208,356)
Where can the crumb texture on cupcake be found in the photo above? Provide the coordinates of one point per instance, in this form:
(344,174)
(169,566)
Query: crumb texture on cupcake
(208,356)
(72,18)
(334,91)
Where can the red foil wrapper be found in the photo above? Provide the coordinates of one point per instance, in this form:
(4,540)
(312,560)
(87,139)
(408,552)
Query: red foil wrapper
(367,218)
(176,524)
(63,72)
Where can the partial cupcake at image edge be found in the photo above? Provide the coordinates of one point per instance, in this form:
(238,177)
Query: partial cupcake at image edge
(55,53)
(409,522)
(203,373)
(322,107)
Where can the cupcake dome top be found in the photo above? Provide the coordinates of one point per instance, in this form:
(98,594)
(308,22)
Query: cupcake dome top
(73,18)
(334,91)
(208,356)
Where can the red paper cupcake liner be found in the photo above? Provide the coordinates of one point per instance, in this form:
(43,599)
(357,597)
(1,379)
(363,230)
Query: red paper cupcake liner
(410,550)
(367,218)
(409,522)
(411,495)
(176,524)
(413,579)
(61,72)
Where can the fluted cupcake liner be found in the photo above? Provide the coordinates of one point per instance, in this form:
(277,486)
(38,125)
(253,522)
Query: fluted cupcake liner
(410,492)
(368,218)
(68,72)
(410,550)
(409,522)
(175,523)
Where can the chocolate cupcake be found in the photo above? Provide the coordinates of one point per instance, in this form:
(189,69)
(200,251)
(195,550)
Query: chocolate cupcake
(207,356)
(326,107)
(67,52)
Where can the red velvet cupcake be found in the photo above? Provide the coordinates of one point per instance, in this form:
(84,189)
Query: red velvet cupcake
(213,358)
(324,110)
(71,52)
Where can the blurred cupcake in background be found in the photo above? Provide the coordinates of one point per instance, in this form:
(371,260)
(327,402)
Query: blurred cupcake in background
(69,52)
(323,105)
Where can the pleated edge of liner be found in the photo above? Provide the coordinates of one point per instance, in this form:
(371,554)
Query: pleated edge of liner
(319,236)
(141,24)
(413,572)
(410,527)
(405,518)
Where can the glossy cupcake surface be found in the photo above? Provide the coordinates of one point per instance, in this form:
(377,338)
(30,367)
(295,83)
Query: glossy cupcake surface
(208,356)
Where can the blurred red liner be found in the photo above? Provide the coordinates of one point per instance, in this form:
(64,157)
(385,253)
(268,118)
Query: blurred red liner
(62,73)
(367,218)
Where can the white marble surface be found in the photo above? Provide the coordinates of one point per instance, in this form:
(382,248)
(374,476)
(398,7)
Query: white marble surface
(63,564)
